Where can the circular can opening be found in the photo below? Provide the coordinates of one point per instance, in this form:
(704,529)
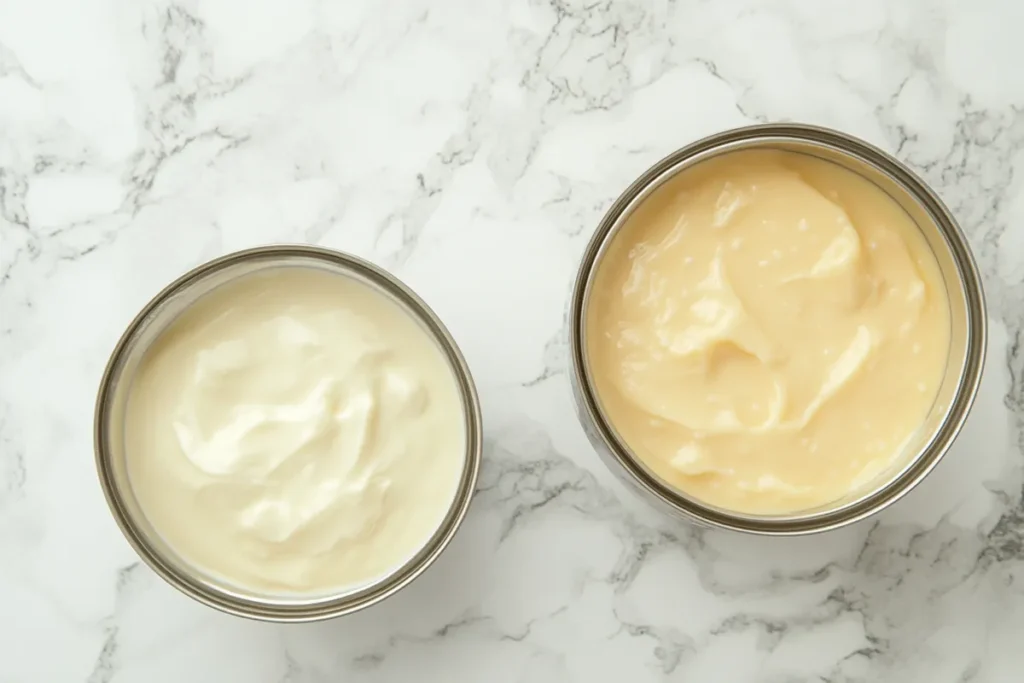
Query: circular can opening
(958,274)
(113,464)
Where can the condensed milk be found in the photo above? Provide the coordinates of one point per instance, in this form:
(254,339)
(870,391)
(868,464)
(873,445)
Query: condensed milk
(767,332)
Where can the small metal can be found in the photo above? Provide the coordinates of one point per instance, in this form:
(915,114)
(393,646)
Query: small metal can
(967,319)
(110,417)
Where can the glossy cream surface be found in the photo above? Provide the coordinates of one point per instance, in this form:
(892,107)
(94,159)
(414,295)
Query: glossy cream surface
(295,431)
(767,332)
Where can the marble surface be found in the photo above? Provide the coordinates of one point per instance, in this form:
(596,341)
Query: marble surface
(471,147)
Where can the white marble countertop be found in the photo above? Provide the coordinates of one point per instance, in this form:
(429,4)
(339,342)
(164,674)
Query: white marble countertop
(471,147)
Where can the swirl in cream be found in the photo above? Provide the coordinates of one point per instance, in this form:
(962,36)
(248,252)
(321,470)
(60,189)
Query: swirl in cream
(295,431)
(767,331)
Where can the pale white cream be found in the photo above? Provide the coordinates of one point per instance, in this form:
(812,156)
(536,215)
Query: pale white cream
(295,430)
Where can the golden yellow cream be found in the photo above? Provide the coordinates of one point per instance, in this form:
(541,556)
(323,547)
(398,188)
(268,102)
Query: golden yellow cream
(767,331)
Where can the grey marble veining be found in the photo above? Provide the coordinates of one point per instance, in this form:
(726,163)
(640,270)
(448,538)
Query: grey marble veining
(471,147)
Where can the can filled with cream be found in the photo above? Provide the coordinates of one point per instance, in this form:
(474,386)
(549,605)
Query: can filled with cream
(778,329)
(288,433)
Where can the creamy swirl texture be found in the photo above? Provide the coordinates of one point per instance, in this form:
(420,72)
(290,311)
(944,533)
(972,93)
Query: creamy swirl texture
(767,331)
(295,430)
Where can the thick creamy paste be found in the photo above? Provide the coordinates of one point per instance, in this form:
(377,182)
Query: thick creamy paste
(295,430)
(767,332)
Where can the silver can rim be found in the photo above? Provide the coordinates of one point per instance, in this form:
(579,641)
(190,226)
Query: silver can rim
(315,609)
(619,457)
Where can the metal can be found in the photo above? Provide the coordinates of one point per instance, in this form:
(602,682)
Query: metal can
(109,429)
(967,317)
